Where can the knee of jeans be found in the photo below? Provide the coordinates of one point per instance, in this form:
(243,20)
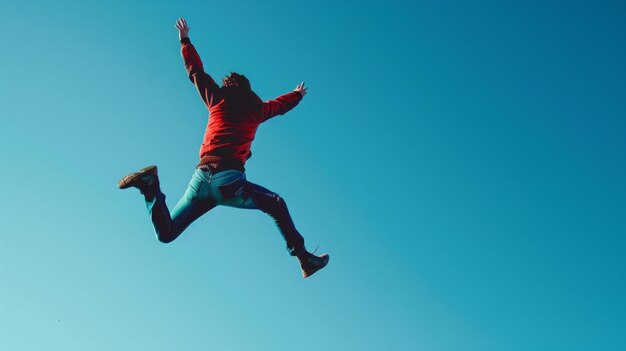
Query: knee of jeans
(277,204)
(166,238)
(280,203)
(267,202)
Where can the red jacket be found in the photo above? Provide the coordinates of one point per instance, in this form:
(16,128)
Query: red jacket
(234,113)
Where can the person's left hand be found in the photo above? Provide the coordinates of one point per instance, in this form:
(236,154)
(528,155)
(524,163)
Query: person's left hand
(301,89)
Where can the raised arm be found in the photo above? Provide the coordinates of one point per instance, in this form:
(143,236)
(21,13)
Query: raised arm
(283,103)
(193,64)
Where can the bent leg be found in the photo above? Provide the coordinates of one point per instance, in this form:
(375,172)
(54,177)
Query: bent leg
(243,194)
(191,206)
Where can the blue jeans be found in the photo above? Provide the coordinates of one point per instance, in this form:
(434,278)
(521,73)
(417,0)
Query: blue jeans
(228,188)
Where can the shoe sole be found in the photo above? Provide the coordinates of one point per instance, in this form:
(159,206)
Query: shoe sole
(130,179)
(310,273)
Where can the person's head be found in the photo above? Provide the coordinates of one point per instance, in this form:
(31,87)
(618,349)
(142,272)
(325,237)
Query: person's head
(236,80)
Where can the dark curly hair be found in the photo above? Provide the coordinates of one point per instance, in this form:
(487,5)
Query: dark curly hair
(236,80)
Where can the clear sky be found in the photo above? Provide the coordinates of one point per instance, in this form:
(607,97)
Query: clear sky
(463,162)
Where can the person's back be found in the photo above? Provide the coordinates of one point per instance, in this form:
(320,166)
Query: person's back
(234,119)
(235,113)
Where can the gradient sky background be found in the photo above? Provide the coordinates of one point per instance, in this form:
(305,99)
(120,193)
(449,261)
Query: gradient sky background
(462,162)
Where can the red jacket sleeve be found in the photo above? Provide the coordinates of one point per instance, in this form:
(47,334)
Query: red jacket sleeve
(193,64)
(280,105)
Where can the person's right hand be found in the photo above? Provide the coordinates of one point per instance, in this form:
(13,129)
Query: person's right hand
(183,29)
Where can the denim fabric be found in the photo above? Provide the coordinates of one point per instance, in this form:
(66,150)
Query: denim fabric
(227,188)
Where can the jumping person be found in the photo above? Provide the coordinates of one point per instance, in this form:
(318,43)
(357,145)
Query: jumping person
(235,113)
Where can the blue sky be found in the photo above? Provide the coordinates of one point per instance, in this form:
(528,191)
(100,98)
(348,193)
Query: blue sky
(463,164)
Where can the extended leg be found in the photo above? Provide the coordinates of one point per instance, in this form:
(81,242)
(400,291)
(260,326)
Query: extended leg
(244,194)
(257,197)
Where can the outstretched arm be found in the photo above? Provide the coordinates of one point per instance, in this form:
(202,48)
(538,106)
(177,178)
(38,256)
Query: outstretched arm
(193,64)
(283,103)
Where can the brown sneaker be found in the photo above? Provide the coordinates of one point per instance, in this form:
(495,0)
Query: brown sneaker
(145,178)
(311,263)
